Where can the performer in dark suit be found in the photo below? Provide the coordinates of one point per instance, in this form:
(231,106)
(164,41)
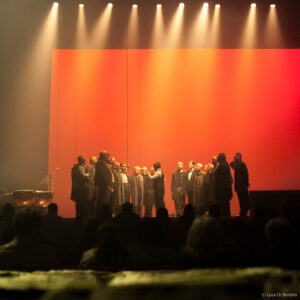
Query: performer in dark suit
(91,192)
(241,183)
(104,179)
(159,186)
(190,181)
(79,192)
(117,188)
(137,190)
(199,196)
(223,185)
(125,184)
(148,192)
(178,189)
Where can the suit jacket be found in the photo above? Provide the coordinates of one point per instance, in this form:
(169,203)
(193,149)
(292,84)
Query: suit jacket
(148,187)
(117,186)
(223,182)
(199,190)
(241,176)
(79,180)
(137,190)
(190,183)
(103,175)
(178,184)
(91,181)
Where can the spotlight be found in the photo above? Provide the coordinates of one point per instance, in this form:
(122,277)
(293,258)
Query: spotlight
(253,5)
(158,5)
(217,6)
(81,5)
(110,5)
(134,5)
(181,5)
(205,4)
(55,4)
(272,5)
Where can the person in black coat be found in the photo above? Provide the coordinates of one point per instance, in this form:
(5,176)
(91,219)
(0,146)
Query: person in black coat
(190,181)
(91,194)
(223,185)
(178,188)
(241,183)
(148,192)
(104,179)
(79,192)
(159,186)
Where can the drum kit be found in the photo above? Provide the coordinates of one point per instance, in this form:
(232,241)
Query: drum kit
(32,198)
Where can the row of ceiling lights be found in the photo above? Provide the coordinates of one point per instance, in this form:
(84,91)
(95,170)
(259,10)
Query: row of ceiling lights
(56,4)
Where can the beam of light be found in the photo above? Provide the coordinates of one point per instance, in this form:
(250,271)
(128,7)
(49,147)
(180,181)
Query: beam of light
(198,36)
(158,29)
(133,29)
(37,64)
(81,32)
(215,29)
(249,34)
(101,28)
(272,32)
(174,33)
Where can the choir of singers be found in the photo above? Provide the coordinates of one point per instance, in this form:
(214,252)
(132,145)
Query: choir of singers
(106,181)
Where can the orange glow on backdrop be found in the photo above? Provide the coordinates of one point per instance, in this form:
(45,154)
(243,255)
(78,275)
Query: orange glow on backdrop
(199,103)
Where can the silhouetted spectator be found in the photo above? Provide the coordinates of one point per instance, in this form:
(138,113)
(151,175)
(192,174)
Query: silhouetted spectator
(108,252)
(6,224)
(27,251)
(238,245)
(55,230)
(204,244)
(127,222)
(168,230)
(283,249)
(148,251)
(185,222)
(103,214)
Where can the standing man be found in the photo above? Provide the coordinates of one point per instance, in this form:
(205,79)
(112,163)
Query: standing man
(125,185)
(159,186)
(79,191)
(117,188)
(241,183)
(223,185)
(190,181)
(137,190)
(104,179)
(148,192)
(178,188)
(91,192)
(199,197)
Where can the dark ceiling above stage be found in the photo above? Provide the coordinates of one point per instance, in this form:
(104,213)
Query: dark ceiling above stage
(24,107)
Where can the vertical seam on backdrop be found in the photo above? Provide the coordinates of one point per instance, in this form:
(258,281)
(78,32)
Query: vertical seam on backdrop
(139,108)
(127,106)
(58,114)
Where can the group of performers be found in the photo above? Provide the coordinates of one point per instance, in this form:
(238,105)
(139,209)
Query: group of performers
(106,181)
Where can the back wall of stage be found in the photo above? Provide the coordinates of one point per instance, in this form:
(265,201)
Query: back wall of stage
(168,105)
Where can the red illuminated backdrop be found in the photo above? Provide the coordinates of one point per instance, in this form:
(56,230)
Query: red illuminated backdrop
(168,105)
